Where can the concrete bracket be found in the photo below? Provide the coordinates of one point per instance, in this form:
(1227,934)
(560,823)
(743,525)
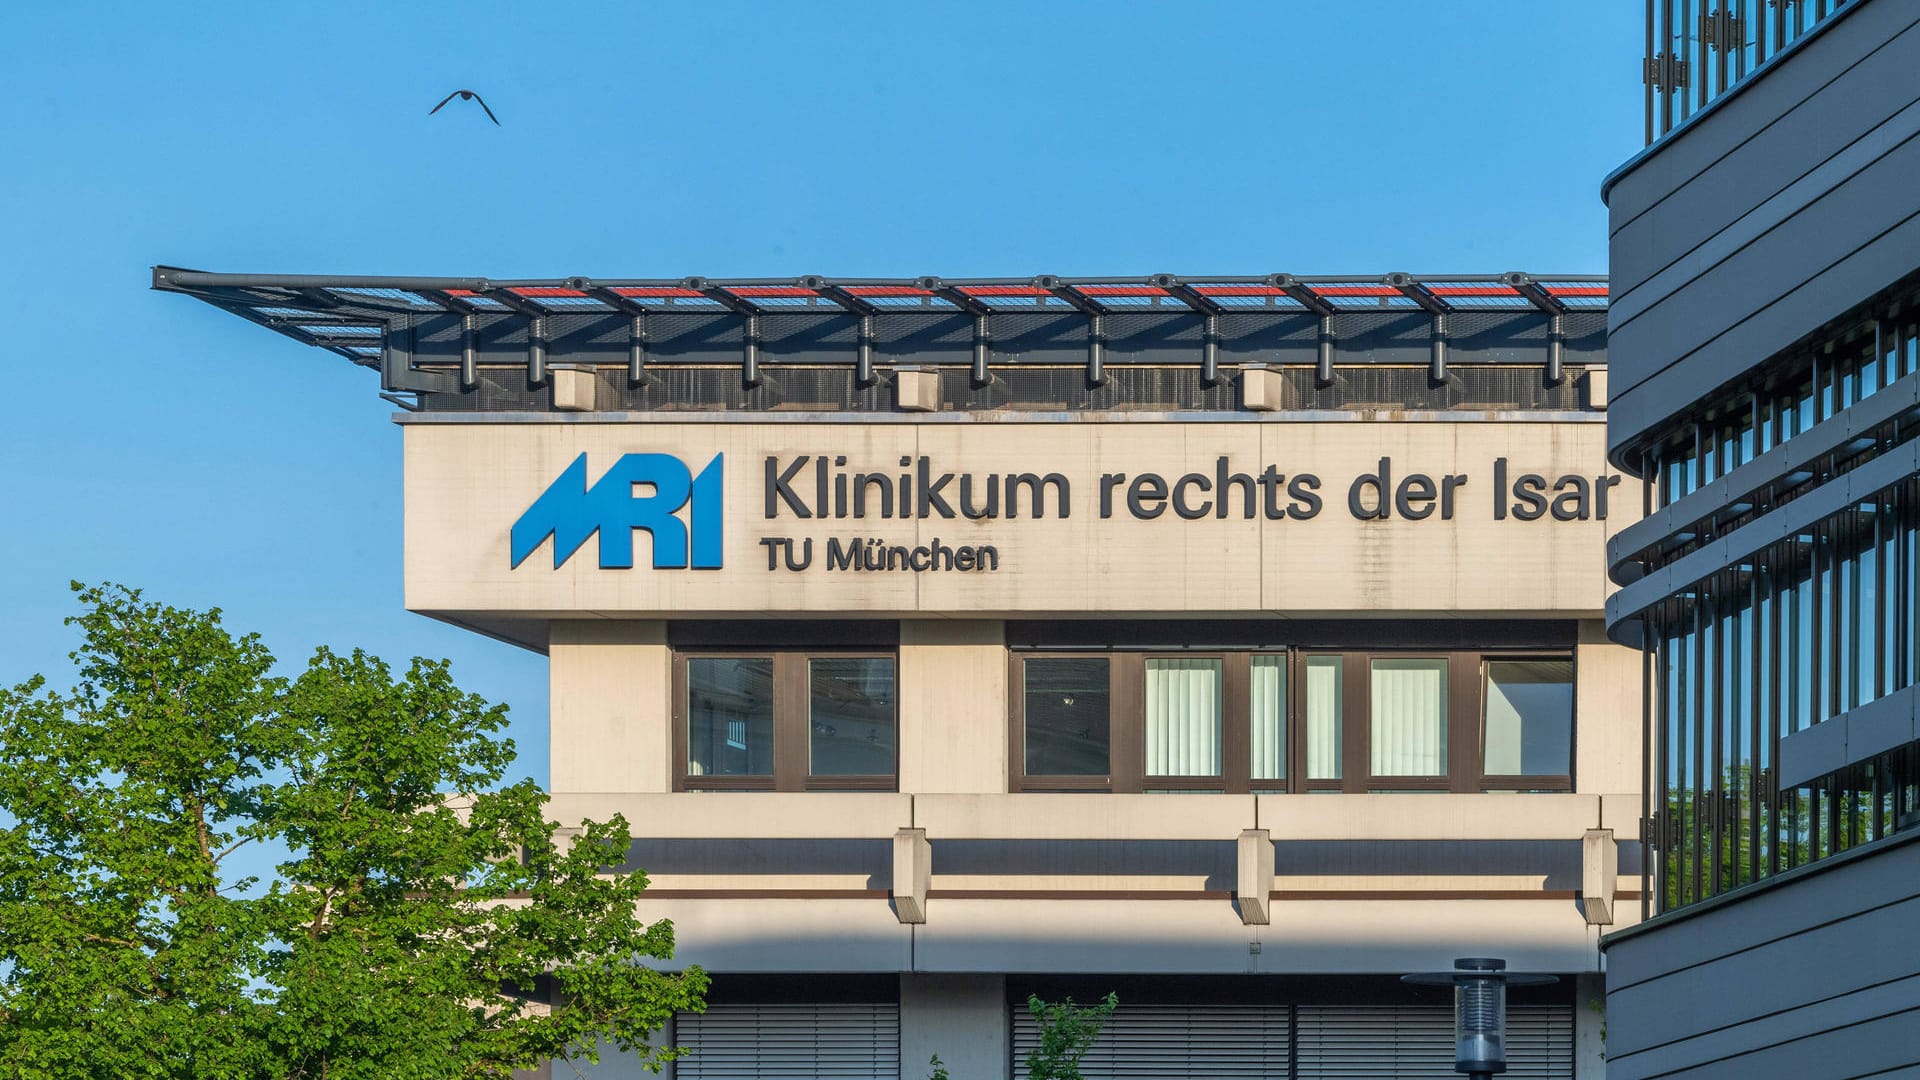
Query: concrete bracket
(1599,874)
(912,874)
(1255,883)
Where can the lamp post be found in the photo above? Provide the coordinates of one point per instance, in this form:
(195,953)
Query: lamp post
(1479,1010)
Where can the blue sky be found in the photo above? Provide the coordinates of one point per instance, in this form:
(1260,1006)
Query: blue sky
(153,440)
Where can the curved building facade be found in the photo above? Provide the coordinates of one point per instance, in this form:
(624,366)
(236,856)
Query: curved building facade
(1765,338)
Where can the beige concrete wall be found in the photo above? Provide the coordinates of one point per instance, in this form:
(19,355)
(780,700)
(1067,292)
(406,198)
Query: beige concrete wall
(1607,714)
(610,690)
(1306,936)
(962,1018)
(467,483)
(953,706)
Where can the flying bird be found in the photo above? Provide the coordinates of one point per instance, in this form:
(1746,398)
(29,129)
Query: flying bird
(465,95)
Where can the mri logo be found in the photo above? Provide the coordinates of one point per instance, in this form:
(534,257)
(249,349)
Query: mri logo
(570,511)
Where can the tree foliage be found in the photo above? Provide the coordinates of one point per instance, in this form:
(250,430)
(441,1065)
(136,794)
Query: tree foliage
(422,920)
(1067,1032)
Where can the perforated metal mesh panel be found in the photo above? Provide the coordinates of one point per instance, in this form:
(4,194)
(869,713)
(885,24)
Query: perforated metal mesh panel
(790,1042)
(1037,388)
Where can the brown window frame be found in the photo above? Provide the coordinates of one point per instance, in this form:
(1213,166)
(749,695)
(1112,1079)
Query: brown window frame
(792,698)
(1529,782)
(1297,780)
(1123,696)
(1126,763)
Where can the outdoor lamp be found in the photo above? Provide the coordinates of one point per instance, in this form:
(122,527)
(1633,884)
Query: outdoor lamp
(1479,1010)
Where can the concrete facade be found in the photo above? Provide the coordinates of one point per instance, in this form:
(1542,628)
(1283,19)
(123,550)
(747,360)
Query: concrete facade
(1032,885)
(1232,645)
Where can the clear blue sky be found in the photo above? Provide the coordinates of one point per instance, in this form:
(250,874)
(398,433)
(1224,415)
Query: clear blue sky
(153,440)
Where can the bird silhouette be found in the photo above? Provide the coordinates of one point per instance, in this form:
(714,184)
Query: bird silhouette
(466,95)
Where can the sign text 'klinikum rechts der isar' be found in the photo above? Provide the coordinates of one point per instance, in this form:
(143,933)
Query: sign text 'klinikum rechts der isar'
(822,486)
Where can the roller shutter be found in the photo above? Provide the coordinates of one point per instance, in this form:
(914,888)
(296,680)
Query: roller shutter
(1416,1043)
(1226,1042)
(790,1042)
(1176,1042)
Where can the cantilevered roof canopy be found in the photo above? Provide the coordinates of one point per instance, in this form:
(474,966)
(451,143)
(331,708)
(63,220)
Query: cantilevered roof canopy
(431,335)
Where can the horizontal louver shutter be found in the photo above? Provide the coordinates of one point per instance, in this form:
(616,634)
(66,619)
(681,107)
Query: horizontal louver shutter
(790,1042)
(1416,1043)
(1540,1042)
(1176,1042)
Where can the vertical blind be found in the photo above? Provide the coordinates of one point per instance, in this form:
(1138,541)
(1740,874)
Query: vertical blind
(1183,717)
(1268,694)
(1409,732)
(1323,717)
(1346,1042)
(790,1042)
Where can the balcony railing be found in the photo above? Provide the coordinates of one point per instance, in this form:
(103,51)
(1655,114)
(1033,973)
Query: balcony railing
(1699,49)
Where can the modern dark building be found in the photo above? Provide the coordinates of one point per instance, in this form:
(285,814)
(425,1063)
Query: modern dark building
(1765,346)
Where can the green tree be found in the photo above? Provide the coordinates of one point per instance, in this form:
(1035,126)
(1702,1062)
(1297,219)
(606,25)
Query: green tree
(1067,1032)
(422,920)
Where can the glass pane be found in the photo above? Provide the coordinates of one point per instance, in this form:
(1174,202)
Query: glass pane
(1183,717)
(1068,703)
(1529,721)
(1323,717)
(730,716)
(1269,707)
(850,716)
(1409,733)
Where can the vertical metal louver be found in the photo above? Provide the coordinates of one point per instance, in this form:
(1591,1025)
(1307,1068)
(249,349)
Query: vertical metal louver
(1416,1043)
(1177,1042)
(790,1042)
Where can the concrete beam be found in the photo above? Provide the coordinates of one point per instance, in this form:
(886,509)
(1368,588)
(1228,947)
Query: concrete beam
(1599,875)
(1255,883)
(912,874)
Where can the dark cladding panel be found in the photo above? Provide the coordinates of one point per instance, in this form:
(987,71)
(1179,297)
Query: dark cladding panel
(1646,406)
(1784,206)
(1777,980)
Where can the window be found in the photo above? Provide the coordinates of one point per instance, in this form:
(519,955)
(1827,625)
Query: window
(1183,717)
(1109,721)
(785,721)
(1069,716)
(1267,692)
(1527,726)
(1409,713)
(1325,685)
(730,716)
(1112,720)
